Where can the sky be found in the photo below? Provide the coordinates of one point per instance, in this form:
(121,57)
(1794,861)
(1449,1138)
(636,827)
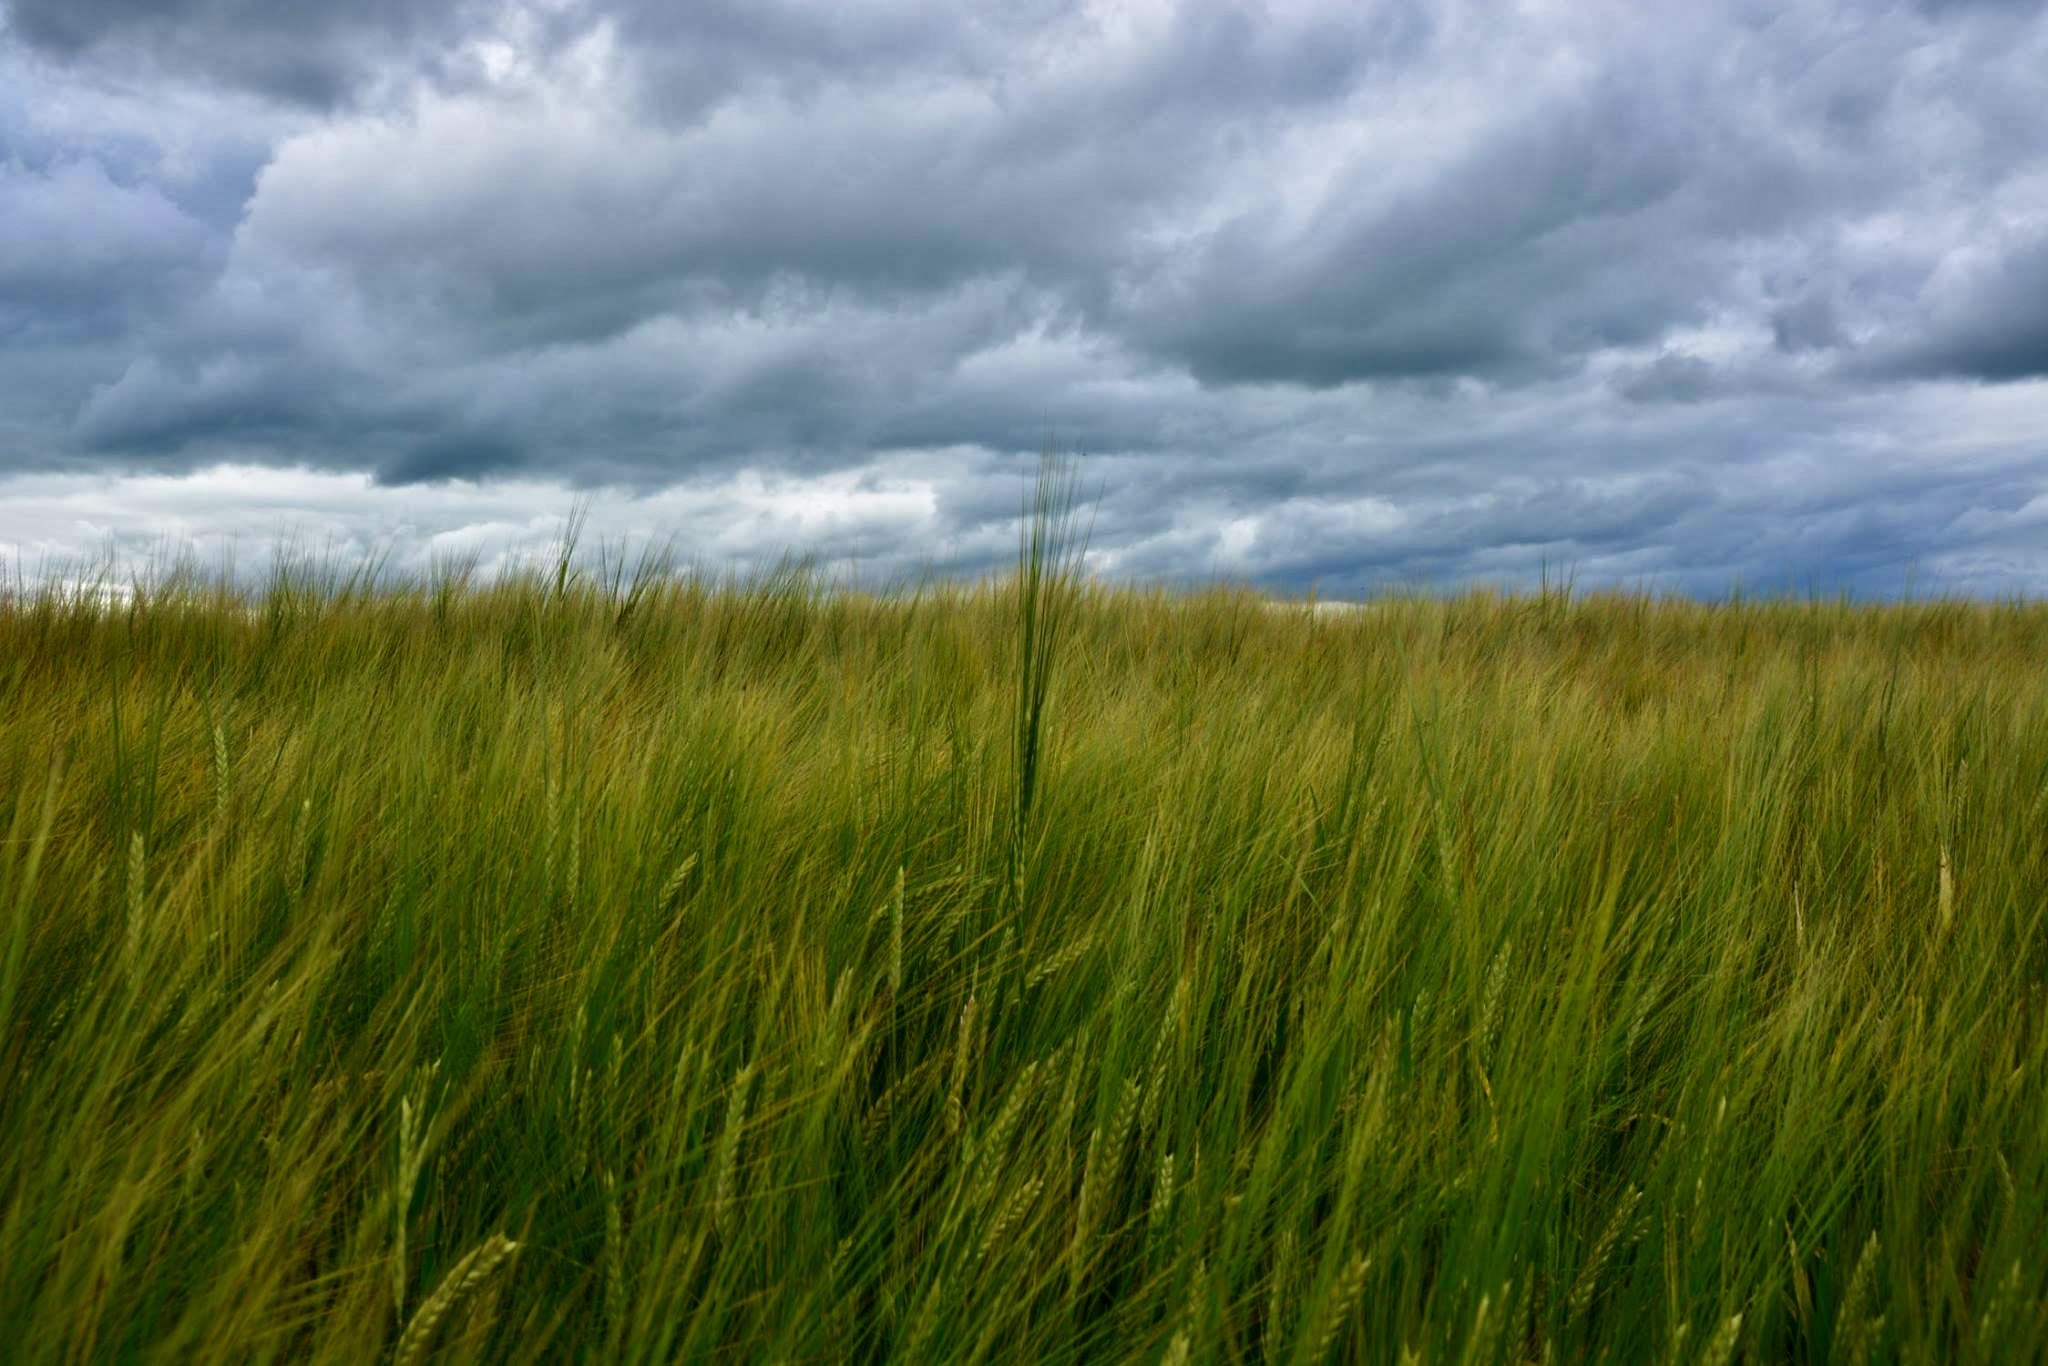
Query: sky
(1742,294)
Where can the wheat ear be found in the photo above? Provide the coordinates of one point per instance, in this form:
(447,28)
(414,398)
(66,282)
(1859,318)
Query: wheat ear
(472,1271)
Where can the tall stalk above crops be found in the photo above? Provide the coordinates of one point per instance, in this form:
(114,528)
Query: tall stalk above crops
(1049,555)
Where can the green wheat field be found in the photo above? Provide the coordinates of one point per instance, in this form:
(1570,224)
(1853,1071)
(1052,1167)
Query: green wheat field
(606,963)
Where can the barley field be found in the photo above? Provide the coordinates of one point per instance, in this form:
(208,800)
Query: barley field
(601,964)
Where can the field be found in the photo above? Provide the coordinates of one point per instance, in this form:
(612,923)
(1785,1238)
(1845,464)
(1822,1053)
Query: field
(599,965)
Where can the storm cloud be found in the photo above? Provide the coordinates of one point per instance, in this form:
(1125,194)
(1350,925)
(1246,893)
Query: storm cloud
(1343,294)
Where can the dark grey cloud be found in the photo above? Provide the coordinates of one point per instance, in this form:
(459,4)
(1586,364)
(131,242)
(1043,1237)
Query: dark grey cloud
(1808,321)
(1339,292)
(1988,320)
(1674,377)
(1514,258)
(320,53)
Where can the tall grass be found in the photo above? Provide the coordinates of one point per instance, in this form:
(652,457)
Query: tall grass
(623,966)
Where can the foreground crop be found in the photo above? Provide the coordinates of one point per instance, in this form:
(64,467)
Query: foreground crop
(548,971)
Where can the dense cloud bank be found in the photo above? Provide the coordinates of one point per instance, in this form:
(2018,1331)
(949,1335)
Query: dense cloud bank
(1346,294)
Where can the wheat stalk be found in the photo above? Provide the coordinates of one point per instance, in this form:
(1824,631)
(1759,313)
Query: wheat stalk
(551,806)
(1162,1196)
(1490,1007)
(1162,1046)
(574,877)
(729,1150)
(1337,1307)
(614,1253)
(1061,959)
(896,935)
(1105,1157)
(1278,1296)
(1720,1348)
(1947,889)
(1012,1210)
(2003,1298)
(220,769)
(1855,1331)
(1197,1308)
(410,1155)
(992,1143)
(878,1113)
(302,837)
(927,1319)
(673,888)
(137,895)
(469,1273)
(1588,1282)
(962,1048)
(1070,1099)
(839,1317)
(1489,1326)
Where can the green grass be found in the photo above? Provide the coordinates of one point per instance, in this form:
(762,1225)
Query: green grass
(1025,971)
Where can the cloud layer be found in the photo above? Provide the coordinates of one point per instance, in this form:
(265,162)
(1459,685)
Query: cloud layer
(1335,293)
